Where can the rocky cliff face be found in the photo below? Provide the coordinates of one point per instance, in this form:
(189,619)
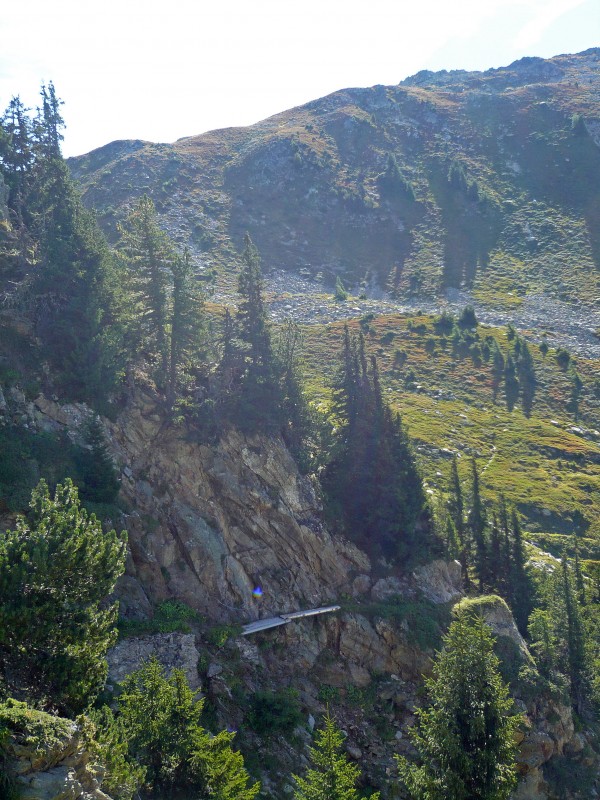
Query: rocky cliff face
(207,525)
(53,766)
(210,524)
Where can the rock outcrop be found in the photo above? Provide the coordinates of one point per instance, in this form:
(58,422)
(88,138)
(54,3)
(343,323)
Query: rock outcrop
(48,759)
(209,524)
(172,650)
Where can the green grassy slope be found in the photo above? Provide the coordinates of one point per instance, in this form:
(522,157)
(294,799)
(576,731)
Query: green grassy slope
(547,464)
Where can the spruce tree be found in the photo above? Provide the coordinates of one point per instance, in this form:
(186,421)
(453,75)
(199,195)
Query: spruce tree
(100,482)
(62,273)
(511,383)
(186,324)
(477,525)
(258,392)
(149,256)
(331,776)
(520,583)
(465,736)
(457,515)
(371,479)
(578,668)
(160,716)
(527,379)
(498,365)
(495,559)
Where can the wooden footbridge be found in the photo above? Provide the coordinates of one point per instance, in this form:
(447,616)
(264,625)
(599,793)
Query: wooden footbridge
(284,619)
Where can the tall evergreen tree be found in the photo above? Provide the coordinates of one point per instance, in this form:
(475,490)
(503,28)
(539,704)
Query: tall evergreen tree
(498,365)
(506,545)
(258,391)
(477,526)
(511,382)
(100,482)
(186,323)
(457,515)
(63,276)
(495,561)
(466,735)
(578,669)
(526,376)
(331,776)
(371,479)
(520,583)
(149,257)
(161,719)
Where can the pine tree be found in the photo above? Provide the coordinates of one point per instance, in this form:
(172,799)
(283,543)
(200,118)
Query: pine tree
(220,769)
(477,525)
(579,580)
(544,642)
(578,669)
(63,275)
(100,482)
(511,383)
(506,547)
(371,479)
(186,324)
(465,736)
(520,584)
(297,420)
(495,560)
(456,512)
(56,570)
(149,257)
(331,776)
(527,379)
(392,184)
(498,365)
(160,717)
(258,401)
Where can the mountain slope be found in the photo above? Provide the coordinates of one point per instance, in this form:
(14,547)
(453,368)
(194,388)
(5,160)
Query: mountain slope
(483,179)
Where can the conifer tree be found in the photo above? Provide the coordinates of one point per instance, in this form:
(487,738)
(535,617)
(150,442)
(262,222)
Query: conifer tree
(297,420)
(495,560)
(186,323)
(149,256)
(100,483)
(258,401)
(511,382)
(161,720)
(543,640)
(465,736)
(506,546)
(456,512)
(331,776)
(578,669)
(526,376)
(56,570)
(371,479)
(498,365)
(579,580)
(477,525)
(520,584)
(63,276)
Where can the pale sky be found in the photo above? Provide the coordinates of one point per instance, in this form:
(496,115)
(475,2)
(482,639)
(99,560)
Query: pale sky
(163,70)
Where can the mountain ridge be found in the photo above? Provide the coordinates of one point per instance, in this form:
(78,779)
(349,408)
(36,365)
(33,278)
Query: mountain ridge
(485,188)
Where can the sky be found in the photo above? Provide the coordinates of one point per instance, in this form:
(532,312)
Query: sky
(159,71)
